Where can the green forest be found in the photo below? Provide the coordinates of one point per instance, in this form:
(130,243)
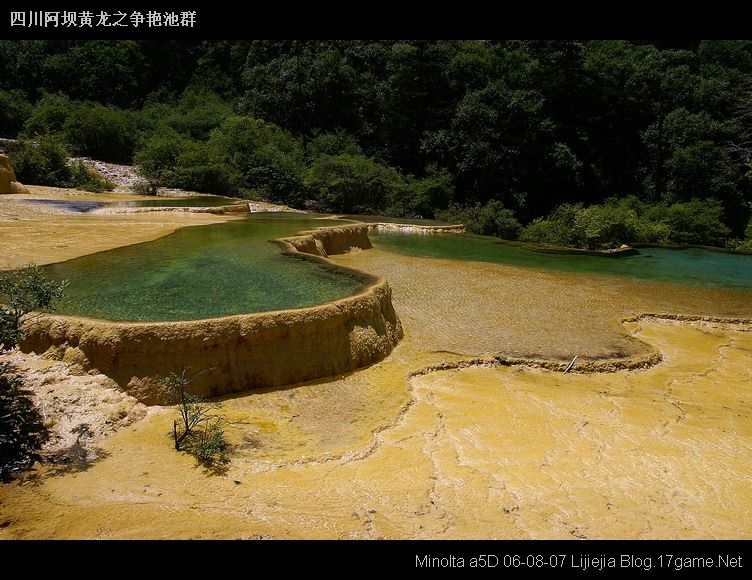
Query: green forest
(572,143)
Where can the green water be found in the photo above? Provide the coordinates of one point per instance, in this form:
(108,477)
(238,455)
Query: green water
(201,272)
(689,266)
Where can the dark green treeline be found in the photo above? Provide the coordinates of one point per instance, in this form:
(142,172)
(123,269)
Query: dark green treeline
(403,127)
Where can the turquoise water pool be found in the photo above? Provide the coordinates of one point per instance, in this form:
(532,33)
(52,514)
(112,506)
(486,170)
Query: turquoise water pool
(693,266)
(201,272)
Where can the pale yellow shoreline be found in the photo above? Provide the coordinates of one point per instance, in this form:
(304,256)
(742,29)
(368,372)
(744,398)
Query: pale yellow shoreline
(30,233)
(477,452)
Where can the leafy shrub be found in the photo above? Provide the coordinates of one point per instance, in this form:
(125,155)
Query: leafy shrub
(197,113)
(491,219)
(22,432)
(745,245)
(651,232)
(701,168)
(24,291)
(338,143)
(697,222)
(158,157)
(48,116)
(353,183)
(197,431)
(557,230)
(101,132)
(209,445)
(543,231)
(628,220)
(423,197)
(81,176)
(44,162)
(605,226)
(267,160)
(212,177)
(173,160)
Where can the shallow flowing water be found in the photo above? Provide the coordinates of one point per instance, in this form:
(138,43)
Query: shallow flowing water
(694,266)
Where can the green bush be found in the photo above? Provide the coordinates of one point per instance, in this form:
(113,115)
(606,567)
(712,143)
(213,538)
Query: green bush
(338,143)
(423,197)
(629,220)
(14,110)
(697,222)
(101,132)
(22,432)
(215,178)
(353,183)
(543,231)
(267,160)
(84,177)
(491,219)
(196,431)
(744,245)
(702,168)
(159,106)
(557,230)
(44,162)
(158,157)
(48,116)
(197,113)
(169,159)
(651,232)
(605,226)
(23,291)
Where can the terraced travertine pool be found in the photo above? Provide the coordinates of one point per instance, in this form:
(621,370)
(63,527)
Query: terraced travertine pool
(202,272)
(233,268)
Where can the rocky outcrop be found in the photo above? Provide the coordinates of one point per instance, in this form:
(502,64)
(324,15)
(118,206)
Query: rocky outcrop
(328,241)
(261,350)
(8,181)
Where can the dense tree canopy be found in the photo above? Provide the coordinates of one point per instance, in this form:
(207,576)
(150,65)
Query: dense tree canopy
(406,127)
